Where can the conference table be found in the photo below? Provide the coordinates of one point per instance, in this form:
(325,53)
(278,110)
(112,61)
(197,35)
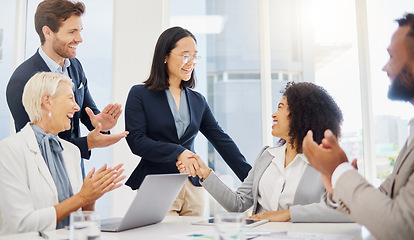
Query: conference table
(173,227)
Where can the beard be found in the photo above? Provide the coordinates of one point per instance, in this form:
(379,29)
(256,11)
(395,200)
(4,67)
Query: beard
(61,48)
(402,88)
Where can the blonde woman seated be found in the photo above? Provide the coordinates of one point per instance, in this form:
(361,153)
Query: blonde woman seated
(282,186)
(40,174)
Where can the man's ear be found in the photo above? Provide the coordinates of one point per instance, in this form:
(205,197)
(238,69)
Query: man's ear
(47,32)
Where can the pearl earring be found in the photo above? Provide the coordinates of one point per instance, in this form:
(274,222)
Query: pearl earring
(165,61)
(50,114)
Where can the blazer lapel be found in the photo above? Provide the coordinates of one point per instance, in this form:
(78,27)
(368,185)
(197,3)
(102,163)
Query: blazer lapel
(41,64)
(405,151)
(190,110)
(78,85)
(165,107)
(40,162)
(265,161)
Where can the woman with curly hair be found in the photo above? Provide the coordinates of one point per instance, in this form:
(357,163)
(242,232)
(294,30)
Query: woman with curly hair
(282,186)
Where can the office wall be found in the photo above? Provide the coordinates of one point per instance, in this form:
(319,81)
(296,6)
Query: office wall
(135,31)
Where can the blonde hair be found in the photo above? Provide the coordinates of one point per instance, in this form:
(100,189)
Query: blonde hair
(38,85)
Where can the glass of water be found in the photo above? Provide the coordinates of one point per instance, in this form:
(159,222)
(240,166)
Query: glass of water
(85,225)
(229,226)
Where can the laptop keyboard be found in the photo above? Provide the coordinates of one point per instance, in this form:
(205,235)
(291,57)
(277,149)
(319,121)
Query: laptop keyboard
(110,223)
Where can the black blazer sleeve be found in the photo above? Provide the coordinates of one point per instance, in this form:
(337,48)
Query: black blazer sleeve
(223,143)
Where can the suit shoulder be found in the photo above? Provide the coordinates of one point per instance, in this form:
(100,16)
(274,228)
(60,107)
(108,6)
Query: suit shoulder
(70,147)
(12,143)
(196,97)
(75,62)
(142,90)
(28,68)
(195,93)
(139,87)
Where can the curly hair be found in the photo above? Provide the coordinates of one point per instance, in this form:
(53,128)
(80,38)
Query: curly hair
(311,108)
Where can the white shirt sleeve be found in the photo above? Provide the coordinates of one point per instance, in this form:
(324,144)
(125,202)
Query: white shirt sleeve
(341,169)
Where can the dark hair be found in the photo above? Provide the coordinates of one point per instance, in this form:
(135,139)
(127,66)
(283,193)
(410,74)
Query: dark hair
(158,79)
(53,13)
(408,20)
(311,108)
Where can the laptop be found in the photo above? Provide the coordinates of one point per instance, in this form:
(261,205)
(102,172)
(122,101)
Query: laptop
(154,198)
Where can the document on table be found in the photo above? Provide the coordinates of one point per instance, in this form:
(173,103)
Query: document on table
(209,234)
(304,236)
(264,235)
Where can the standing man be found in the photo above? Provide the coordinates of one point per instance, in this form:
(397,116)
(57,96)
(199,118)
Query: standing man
(58,23)
(388,212)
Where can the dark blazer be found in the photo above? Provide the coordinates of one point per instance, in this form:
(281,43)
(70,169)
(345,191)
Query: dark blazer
(83,98)
(153,135)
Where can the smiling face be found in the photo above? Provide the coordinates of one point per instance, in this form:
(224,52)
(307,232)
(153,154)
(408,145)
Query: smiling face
(399,67)
(177,70)
(281,121)
(62,107)
(63,43)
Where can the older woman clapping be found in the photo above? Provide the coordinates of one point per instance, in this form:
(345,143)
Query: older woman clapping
(41,179)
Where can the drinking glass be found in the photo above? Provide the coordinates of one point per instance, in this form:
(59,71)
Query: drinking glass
(85,226)
(229,226)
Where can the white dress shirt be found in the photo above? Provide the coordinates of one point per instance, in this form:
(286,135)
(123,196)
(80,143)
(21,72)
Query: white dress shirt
(278,185)
(53,66)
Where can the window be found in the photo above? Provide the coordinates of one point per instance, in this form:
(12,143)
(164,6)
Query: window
(315,41)
(229,73)
(390,117)
(7,55)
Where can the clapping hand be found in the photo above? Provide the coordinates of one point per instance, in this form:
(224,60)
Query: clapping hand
(96,139)
(100,182)
(107,118)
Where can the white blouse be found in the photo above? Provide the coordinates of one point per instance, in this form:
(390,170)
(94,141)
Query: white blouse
(278,184)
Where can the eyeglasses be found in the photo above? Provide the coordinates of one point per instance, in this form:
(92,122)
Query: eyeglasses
(187,58)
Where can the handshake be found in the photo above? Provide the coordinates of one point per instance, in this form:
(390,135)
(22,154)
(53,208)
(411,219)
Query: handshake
(191,163)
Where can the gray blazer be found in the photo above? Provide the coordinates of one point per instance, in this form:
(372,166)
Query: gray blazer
(307,202)
(387,212)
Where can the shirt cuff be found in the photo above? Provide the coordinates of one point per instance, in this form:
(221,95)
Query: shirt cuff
(341,169)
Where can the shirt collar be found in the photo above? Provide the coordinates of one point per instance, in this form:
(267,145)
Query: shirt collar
(52,65)
(280,151)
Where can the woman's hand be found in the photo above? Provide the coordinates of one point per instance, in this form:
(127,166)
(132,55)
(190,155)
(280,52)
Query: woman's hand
(204,169)
(100,182)
(189,163)
(94,186)
(273,216)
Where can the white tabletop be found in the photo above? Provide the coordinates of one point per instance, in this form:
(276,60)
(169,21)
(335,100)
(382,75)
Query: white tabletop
(173,226)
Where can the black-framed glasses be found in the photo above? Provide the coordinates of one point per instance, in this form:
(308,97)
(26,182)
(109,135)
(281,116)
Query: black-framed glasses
(187,58)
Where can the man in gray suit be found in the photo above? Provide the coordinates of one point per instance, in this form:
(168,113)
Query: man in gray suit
(388,212)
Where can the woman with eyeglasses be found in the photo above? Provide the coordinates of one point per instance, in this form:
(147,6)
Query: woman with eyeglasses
(164,115)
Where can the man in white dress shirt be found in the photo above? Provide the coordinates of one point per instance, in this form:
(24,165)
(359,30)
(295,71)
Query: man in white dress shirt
(388,212)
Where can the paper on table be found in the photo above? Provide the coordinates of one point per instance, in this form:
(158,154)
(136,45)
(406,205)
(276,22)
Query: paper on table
(305,236)
(210,234)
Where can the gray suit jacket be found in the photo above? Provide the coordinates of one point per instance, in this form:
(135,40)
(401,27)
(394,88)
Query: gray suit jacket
(388,212)
(307,203)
